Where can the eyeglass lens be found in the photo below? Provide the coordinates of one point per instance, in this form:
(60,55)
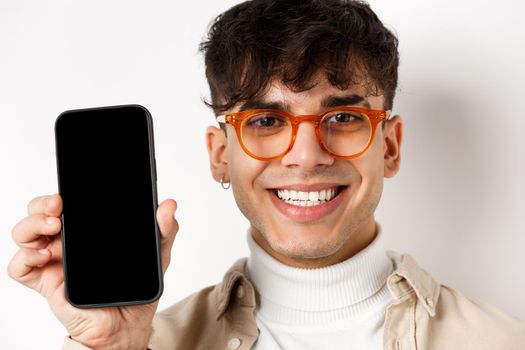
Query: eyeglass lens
(344,133)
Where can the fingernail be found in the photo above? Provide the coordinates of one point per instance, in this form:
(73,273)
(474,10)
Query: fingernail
(43,251)
(49,221)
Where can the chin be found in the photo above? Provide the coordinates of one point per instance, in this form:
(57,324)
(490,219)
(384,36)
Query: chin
(305,246)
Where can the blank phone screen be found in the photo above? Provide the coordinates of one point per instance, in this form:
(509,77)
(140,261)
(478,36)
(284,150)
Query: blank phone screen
(107,181)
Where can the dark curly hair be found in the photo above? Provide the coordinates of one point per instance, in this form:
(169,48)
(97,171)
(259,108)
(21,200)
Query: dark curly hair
(259,40)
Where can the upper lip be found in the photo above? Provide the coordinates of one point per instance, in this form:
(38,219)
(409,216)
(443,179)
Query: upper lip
(308,187)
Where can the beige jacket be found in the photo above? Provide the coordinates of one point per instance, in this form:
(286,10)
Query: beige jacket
(424,316)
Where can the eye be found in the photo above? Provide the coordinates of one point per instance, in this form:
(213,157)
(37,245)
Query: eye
(344,117)
(266,121)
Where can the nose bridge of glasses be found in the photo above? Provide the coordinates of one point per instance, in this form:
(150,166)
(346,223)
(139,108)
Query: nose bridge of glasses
(305,118)
(307,132)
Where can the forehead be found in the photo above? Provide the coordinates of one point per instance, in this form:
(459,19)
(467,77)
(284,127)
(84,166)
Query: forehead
(320,95)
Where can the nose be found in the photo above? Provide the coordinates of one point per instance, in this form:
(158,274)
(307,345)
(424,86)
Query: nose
(306,151)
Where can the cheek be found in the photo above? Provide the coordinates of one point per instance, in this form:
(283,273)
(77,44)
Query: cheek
(242,168)
(375,157)
(244,172)
(370,167)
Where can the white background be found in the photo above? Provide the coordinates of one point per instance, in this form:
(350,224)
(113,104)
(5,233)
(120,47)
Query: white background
(457,205)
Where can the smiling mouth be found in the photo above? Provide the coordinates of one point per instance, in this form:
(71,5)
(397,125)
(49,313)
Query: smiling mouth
(308,199)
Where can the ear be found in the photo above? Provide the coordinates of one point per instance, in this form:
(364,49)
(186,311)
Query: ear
(393,135)
(216,143)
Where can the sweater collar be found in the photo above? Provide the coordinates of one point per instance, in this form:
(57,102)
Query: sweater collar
(319,289)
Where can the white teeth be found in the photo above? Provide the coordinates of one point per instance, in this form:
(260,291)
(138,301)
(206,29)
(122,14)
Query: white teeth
(306,199)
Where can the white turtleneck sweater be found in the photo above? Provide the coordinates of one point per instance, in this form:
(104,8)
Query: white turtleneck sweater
(336,307)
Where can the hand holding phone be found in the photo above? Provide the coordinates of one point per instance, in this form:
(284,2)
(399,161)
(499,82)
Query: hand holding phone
(38,264)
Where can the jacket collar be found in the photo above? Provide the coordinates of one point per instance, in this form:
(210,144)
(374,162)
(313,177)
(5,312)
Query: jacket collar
(235,277)
(407,277)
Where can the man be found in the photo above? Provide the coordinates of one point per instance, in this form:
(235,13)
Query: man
(302,91)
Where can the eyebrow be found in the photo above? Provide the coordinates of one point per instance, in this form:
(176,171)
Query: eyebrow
(255,104)
(328,102)
(340,101)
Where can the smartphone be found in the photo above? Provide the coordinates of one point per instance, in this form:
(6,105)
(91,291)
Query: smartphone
(107,180)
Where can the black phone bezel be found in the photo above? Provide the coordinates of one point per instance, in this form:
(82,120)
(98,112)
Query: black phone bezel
(153,167)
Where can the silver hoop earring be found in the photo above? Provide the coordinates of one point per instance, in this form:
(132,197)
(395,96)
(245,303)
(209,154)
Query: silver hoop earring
(223,184)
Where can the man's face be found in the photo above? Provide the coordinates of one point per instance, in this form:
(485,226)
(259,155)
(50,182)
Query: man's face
(316,235)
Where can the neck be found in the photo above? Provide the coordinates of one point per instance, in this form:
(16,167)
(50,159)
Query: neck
(357,241)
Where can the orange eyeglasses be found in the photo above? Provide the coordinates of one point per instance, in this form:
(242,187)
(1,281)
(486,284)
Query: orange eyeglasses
(268,134)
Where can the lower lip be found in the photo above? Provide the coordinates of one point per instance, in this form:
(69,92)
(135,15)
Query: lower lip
(311,213)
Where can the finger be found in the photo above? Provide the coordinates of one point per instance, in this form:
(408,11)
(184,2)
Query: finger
(168,227)
(25,260)
(28,232)
(55,247)
(51,205)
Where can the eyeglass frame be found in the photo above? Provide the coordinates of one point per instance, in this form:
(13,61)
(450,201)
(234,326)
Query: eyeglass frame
(375,116)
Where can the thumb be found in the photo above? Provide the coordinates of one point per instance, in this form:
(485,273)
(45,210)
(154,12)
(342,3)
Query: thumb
(168,229)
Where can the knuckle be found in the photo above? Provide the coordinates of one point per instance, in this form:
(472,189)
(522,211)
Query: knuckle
(32,203)
(11,267)
(19,231)
(10,270)
(23,255)
(15,231)
(36,204)
(30,206)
